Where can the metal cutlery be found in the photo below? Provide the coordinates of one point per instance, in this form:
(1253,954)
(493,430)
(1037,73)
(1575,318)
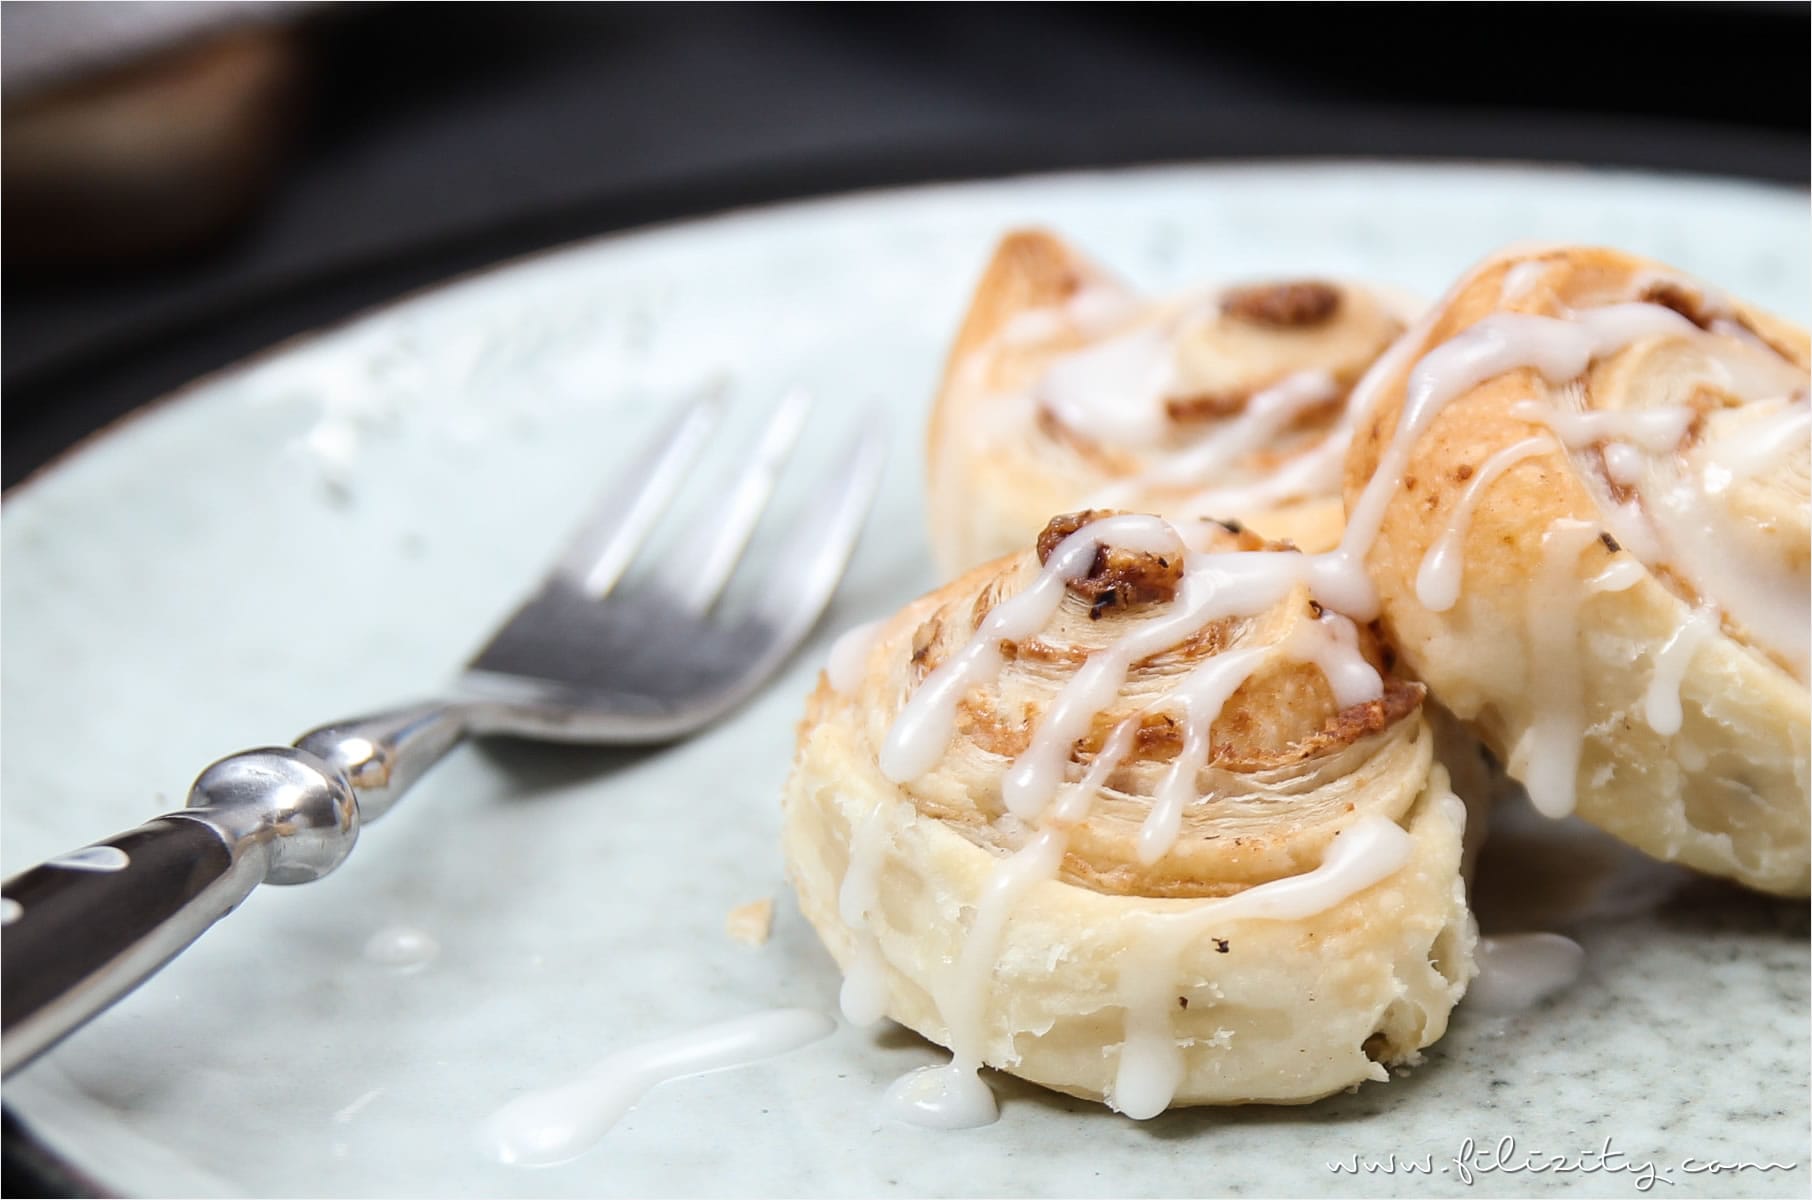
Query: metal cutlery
(601,652)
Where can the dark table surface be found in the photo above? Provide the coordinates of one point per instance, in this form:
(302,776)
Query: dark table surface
(440,140)
(443,139)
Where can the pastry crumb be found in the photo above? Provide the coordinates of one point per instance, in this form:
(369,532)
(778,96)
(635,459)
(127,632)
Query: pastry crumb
(751,923)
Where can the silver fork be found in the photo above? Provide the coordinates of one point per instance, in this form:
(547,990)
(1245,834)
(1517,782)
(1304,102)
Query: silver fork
(596,654)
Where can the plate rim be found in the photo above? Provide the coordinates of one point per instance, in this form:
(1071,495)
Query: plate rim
(66,1174)
(62,458)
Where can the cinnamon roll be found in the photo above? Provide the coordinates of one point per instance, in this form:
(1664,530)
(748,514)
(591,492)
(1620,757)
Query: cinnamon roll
(1065,390)
(1138,816)
(1580,489)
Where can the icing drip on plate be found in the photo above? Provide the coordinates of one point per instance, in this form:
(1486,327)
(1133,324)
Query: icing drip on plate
(402,948)
(545,1128)
(1519,971)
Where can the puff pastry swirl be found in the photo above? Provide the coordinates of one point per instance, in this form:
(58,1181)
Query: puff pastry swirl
(1136,820)
(1066,390)
(1582,482)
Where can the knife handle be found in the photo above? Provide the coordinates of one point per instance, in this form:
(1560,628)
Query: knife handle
(85,928)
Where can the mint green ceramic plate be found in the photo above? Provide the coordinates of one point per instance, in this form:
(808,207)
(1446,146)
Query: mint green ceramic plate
(329,527)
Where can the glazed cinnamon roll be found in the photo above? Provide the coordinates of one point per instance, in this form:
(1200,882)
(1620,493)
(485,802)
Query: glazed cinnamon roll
(1066,390)
(1138,816)
(1580,489)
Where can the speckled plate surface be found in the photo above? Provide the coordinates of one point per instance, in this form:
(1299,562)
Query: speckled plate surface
(328,528)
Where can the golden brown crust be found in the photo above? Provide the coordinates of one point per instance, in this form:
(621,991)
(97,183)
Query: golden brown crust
(1726,794)
(1001,460)
(1031,269)
(1282,723)
(1290,769)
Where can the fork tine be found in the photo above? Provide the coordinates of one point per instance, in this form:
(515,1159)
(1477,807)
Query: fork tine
(724,529)
(805,573)
(601,550)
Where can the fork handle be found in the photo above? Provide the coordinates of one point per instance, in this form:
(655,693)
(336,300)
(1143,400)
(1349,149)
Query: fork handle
(85,928)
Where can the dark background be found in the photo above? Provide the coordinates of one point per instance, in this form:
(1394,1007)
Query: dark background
(435,139)
(431,140)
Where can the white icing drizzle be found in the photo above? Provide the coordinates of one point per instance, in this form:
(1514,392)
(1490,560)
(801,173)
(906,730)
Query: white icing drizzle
(544,1128)
(1098,305)
(1674,517)
(1266,414)
(1331,643)
(1757,592)
(953,1096)
(1370,850)
(10,910)
(1546,757)
(1314,472)
(961,1006)
(1214,587)
(1656,430)
(1630,525)
(401,947)
(1318,470)
(1662,704)
(346,1114)
(1622,463)
(1438,580)
(1075,804)
(921,733)
(863,998)
(1151,1062)
(1622,574)
(1115,390)
(942,1097)
(1762,445)
(1520,278)
(849,655)
(1201,695)
(1518,971)
(1558,349)
(1090,310)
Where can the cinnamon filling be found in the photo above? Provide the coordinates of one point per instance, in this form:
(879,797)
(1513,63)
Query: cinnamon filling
(1299,305)
(1117,579)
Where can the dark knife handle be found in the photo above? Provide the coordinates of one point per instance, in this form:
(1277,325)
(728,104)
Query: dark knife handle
(85,928)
